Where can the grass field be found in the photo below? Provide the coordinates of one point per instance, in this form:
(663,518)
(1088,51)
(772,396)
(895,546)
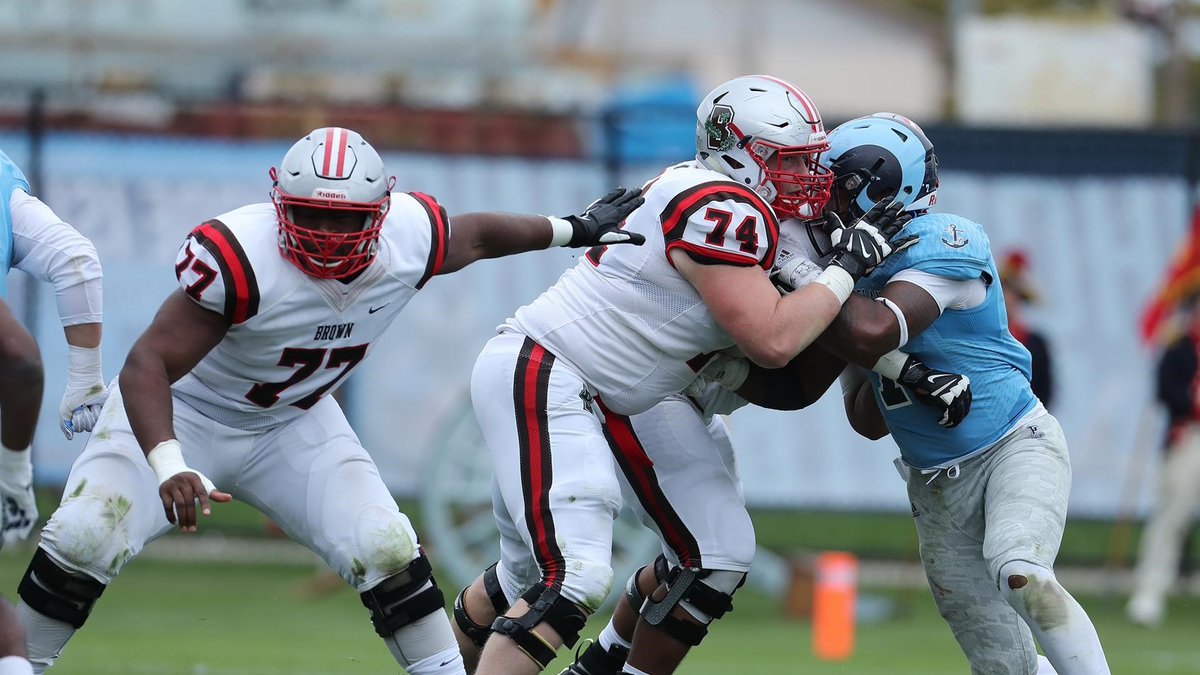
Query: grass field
(223,618)
(168,618)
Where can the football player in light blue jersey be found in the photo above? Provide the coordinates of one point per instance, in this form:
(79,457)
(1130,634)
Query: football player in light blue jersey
(36,241)
(989,496)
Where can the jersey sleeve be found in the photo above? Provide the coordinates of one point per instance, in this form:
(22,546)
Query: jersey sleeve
(721,223)
(426,240)
(213,269)
(950,247)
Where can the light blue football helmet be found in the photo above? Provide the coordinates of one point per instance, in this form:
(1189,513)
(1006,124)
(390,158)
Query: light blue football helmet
(877,155)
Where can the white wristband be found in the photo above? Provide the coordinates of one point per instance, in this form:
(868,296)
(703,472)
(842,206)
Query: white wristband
(83,366)
(16,462)
(837,280)
(891,364)
(167,460)
(563,231)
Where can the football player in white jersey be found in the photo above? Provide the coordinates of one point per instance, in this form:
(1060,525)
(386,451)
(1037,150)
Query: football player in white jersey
(224,395)
(618,334)
(687,487)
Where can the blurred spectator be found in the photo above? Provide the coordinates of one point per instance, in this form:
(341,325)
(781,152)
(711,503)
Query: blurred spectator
(1177,385)
(1019,292)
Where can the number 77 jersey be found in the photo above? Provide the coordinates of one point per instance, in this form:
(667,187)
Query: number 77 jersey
(630,323)
(293,338)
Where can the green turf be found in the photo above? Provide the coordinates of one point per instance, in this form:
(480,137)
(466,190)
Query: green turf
(884,536)
(162,618)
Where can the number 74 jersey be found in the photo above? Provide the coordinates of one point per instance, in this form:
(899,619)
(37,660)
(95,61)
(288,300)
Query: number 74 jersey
(634,328)
(293,338)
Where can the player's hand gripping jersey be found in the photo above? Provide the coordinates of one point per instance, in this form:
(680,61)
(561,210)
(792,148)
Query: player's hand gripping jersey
(624,317)
(293,338)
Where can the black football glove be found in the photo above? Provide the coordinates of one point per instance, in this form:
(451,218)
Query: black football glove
(948,392)
(601,221)
(863,246)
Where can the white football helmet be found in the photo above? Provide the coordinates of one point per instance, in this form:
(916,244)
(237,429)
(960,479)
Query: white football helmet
(766,134)
(331,168)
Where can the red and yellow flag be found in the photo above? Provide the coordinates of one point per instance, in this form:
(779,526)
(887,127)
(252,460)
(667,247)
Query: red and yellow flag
(1182,280)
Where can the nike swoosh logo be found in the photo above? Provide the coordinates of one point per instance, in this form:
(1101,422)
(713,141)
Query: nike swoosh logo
(372,310)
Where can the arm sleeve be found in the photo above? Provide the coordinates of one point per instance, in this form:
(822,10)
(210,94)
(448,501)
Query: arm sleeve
(948,293)
(54,252)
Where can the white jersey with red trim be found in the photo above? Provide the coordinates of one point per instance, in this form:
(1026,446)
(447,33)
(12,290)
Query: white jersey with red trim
(624,317)
(293,338)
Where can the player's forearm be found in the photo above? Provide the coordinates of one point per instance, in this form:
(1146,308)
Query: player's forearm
(477,236)
(796,322)
(775,389)
(863,412)
(862,332)
(146,390)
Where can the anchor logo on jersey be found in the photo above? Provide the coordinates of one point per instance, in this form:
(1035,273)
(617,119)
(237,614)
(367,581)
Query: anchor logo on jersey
(955,241)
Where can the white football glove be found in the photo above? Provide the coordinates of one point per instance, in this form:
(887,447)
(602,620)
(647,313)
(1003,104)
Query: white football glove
(793,270)
(792,267)
(18,510)
(728,371)
(85,394)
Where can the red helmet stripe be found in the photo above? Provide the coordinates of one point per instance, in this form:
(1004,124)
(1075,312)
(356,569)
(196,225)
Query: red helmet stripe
(343,140)
(334,165)
(328,151)
(809,109)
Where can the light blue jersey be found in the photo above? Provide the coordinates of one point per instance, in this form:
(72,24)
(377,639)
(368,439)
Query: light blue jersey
(974,342)
(11,179)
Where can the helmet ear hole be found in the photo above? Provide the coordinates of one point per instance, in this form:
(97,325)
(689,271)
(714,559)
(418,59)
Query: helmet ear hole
(736,165)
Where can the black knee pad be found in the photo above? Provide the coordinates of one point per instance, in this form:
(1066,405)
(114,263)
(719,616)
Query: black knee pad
(545,604)
(479,633)
(687,584)
(58,593)
(633,594)
(393,604)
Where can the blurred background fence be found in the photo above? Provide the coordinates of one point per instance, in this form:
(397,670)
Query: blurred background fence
(1097,212)
(1066,127)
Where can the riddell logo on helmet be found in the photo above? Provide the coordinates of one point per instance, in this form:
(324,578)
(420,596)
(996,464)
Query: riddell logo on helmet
(322,193)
